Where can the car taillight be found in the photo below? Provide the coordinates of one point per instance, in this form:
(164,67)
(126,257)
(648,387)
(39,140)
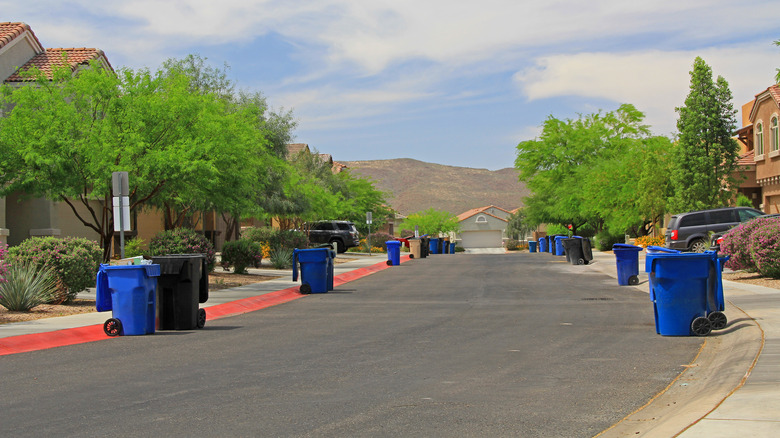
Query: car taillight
(719,241)
(674,234)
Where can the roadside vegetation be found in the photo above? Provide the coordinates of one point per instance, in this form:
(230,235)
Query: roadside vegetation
(606,175)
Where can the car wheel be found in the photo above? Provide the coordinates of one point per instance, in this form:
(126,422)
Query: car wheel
(698,245)
(340,248)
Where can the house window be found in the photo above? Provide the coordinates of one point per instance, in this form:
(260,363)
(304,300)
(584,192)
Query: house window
(481,220)
(774,144)
(759,141)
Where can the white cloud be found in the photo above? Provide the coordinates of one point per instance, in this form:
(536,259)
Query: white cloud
(654,81)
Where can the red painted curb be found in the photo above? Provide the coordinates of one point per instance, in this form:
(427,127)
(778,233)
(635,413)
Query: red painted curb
(92,333)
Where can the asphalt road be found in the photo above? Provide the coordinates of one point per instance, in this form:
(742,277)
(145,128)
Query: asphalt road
(451,345)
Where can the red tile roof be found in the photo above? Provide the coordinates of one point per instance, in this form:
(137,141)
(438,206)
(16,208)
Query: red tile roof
(9,31)
(51,58)
(473,211)
(747,159)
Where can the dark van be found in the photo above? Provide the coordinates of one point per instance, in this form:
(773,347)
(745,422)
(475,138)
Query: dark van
(691,231)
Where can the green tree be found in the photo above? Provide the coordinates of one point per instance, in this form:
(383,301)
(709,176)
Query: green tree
(518,225)
(706,154)
(573,169)
(65,135)
(431,222)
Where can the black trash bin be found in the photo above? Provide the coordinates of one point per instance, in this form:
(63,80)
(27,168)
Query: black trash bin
(578,250)
(425,246)
(182,285)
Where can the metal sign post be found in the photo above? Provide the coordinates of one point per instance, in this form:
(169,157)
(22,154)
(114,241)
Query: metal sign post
(369,220)
(120,185)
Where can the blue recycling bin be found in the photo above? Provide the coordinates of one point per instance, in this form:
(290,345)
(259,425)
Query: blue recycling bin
(314,269)
(433,245)
(393,252)
(532,246)
(627,260)
(679,284)
(542,244)
(129,292)
(559,251)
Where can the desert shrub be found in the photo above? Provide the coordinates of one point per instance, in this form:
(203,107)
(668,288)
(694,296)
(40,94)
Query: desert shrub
(645,241)
(363,247)
(765,247)
(183,241)
(512,245)
(604,240)
(736,244)
(241,253)
(281,258)
(553,229)
(26,286)
(378,241)
(134,248)
(74,260)
(3,264)
(277,238)
(459,248)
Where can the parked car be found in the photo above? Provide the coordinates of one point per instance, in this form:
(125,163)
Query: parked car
(717,238)
(343,233)
(691,231)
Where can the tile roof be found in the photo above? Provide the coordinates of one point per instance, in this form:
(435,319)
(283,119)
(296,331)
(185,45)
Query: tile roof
(465,215)
(296,148)
(747,159)
(47,60)
(9,31)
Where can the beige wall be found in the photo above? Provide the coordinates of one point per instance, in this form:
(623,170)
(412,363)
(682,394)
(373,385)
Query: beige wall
(767,165)
(15,55)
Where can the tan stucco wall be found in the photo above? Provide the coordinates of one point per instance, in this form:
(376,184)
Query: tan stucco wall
(70,225)
(492,223)
(15,55)
(770,165)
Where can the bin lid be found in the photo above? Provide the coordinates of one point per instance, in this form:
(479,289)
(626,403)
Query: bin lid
(656,249)
(625,247)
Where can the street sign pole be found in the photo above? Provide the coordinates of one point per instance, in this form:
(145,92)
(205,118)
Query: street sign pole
(121,201)
(369,220)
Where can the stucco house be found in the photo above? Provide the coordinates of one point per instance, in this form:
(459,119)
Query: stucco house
(760,141)
(483,227)
(21,218)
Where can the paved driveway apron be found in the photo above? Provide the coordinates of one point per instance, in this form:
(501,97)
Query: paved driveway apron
(451,345)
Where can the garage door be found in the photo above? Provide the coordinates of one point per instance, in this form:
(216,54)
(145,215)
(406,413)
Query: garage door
(481,239)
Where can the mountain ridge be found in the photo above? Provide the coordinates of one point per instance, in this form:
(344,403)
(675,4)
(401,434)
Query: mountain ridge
(414,185)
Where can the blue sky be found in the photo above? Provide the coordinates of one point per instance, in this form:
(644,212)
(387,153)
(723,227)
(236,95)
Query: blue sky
(456,83)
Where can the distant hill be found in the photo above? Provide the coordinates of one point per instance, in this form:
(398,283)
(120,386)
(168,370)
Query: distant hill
(415,185)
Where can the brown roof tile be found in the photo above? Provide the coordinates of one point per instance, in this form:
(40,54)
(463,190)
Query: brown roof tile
(51,58)
(9,31)
(747,159)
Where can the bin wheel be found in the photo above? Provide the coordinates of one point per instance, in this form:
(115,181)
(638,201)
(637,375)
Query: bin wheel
(112,327)
(718,320)
(586,262)
(201,318)
(580,261)
(411,256)
(305,289)
(633,280)
(389,263)
(701,326)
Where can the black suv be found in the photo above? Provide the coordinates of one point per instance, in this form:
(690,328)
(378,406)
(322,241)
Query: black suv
(691,231)
(342,232)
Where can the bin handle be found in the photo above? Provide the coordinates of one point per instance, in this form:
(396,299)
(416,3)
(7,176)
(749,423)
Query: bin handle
(103,295)
(295,265)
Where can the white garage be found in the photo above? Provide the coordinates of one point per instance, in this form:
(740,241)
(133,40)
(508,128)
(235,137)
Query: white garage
(483,227)
(481,239)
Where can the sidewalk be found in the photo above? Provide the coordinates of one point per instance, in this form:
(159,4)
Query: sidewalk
(84,327)
(732,388)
